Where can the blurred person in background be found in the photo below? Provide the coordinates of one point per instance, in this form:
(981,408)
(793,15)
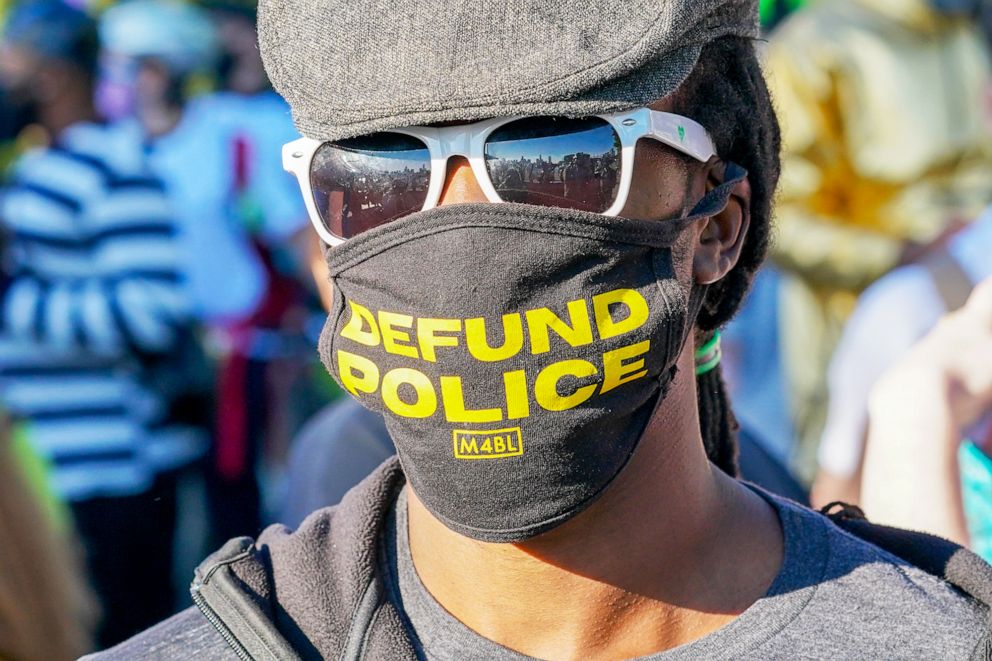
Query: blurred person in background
(885,150)
(91,294)
(20,124)
(239,67)
(753,367)
(239,212)
(921,411)
(46,610)
(891,316)
(279,360)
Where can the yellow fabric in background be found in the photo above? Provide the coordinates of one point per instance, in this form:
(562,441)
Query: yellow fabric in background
(884,134)
(886,141)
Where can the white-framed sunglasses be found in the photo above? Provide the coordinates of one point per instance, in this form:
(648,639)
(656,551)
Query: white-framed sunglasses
(585,163)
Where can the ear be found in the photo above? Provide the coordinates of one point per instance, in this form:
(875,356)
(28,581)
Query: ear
(722,237)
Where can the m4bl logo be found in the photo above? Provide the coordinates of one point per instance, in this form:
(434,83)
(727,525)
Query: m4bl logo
(496,444)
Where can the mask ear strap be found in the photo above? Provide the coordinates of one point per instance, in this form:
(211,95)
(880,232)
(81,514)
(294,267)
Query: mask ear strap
(717,199)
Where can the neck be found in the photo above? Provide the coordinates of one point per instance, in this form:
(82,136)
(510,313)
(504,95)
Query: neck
(672,550)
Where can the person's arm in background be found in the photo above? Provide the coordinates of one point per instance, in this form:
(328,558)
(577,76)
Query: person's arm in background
(816,237)
(129,298)
(892,315)
(919,413)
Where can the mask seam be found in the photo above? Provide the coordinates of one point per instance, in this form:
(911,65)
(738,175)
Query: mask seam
(609,223)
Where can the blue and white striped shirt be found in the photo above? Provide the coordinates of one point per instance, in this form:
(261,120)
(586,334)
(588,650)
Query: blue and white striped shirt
(93,284)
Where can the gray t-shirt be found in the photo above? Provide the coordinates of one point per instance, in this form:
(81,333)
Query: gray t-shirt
(334,451)
(836,597)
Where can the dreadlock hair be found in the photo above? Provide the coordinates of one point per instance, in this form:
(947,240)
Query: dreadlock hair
(726,93)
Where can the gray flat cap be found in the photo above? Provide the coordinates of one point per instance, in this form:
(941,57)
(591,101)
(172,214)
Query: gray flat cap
(349,67)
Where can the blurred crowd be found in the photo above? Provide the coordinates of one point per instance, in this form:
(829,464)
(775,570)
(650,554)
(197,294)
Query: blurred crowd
(161,295)
(158,324)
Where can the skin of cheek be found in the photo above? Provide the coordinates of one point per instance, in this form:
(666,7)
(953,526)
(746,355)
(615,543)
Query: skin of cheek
(664,184)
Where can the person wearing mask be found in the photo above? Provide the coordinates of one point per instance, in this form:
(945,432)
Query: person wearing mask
(239,212)
(885,151)
(91,293)
(566,482)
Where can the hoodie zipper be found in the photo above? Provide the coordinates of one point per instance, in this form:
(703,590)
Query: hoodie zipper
(221,628)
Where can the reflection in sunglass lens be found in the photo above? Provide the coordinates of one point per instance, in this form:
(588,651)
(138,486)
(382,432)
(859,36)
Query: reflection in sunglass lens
(556,162)
(365,182)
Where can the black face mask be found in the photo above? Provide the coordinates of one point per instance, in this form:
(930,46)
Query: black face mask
(517,352)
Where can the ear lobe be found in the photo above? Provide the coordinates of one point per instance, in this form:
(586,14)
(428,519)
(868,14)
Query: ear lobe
(722,237)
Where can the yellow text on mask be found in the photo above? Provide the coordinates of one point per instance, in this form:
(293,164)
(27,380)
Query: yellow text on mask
(560,386)
(410,393)
(405,335)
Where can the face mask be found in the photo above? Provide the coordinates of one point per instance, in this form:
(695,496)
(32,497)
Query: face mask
(516,352)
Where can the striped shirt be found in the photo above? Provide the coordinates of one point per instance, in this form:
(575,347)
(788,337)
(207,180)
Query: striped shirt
(92,286)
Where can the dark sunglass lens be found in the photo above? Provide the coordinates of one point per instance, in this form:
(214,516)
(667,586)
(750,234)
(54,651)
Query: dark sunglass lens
(556,162)
(365,182)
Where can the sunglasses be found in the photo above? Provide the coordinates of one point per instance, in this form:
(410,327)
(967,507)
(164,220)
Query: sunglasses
(586,163)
